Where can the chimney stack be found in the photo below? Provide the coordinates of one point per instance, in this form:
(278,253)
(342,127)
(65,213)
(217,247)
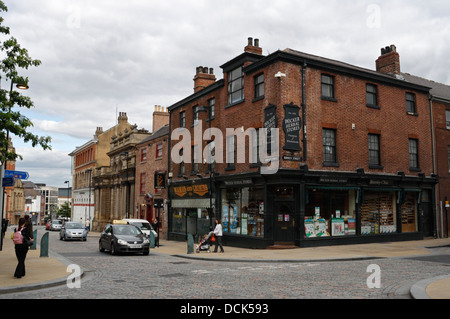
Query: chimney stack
(253,47)
(203,77)
(160,117)
(389,61)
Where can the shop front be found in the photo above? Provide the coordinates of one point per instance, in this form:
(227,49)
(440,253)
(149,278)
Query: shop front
(190,210)
(306,209)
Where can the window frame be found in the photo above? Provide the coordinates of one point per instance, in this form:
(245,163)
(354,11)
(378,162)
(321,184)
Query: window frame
(258,86)
(374,148)
(413,151)
(411,102)
(235,85)
(329,159)
(183,119)
(373,94)
(331,86)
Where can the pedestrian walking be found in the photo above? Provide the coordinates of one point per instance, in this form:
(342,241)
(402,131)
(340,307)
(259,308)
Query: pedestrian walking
(218,234)
(88,225)
(155,225)
(21,248)
(29,225)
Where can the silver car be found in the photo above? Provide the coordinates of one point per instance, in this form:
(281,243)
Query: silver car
(56,224)
(73,230)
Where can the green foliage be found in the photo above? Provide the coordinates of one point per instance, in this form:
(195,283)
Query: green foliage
(12,121)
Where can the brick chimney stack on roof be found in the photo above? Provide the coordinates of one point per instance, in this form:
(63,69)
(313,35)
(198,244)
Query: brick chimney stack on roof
(389,61)
(253,47)
(203,77)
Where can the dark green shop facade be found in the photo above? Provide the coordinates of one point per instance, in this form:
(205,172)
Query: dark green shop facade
(307,208)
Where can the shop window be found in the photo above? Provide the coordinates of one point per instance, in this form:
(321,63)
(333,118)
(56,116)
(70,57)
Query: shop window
(378,213)
(243,211)
(330,213)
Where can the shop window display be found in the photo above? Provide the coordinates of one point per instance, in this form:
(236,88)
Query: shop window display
(330,213)
(243,211)
(378,213)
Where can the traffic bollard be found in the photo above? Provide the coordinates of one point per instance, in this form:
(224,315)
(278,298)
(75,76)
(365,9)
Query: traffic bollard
(33,247)
(190,244)
(152,240)
(44,245)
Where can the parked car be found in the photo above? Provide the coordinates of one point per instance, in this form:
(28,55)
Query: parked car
(143,225)
(121,237)
(56,224)
(73,230)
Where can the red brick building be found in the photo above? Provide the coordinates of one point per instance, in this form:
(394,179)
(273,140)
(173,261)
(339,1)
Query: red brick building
(353,157)
(151,172)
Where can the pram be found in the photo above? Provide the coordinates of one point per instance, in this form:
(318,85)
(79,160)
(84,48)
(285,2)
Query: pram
(205,243)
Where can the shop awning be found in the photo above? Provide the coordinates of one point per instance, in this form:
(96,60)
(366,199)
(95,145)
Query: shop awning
(191,203)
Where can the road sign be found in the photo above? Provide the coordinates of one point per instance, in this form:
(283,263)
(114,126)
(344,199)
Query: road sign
(8,182)
(16,174)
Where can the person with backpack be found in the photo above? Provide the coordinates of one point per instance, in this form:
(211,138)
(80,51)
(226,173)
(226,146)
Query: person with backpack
(20,237)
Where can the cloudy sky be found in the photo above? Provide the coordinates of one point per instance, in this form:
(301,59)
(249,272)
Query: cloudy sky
(107,56)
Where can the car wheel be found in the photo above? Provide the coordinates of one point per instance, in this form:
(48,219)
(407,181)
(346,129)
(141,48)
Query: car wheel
(100,247)
(146,252)
(113,249)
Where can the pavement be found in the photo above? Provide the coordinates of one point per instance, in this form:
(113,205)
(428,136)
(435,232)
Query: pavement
(43,272)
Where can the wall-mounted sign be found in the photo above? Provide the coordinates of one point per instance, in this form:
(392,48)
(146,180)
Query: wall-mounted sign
(270,122)
(190,191)
(292,124)
(160,180)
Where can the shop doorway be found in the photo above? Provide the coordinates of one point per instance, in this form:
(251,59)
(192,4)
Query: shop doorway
(284,222)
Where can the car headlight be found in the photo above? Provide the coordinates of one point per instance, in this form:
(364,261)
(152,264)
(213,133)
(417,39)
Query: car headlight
(122,242)
(146,241)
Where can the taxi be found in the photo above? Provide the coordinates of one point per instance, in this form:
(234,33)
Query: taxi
(121,237)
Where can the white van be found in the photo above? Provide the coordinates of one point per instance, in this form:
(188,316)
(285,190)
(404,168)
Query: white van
(143,225)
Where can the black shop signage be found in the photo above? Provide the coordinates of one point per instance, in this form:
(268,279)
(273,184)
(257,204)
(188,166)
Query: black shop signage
(292,124)
(270,121)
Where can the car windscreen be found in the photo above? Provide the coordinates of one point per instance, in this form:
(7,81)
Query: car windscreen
(74,226)
(142,225)
(126,230)
(56,222)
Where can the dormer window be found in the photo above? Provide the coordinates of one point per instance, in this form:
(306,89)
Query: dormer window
(235,85)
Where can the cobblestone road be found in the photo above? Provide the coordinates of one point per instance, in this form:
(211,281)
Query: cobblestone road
(162,276)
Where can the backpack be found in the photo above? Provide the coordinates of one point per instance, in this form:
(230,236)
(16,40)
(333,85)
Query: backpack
(18,237)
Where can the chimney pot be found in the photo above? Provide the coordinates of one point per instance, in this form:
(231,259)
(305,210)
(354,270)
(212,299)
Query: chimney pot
(256,42)
(250,41)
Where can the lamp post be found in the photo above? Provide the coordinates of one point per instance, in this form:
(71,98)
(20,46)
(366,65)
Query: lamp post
(127,185)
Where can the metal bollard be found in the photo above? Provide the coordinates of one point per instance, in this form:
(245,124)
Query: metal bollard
(190,244)
(152,240)
(33,247)
(44,245)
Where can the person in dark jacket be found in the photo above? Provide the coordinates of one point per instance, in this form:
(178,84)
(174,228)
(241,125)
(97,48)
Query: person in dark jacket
(21,249)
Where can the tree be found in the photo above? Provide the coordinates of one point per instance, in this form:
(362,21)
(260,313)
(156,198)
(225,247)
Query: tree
(11,121)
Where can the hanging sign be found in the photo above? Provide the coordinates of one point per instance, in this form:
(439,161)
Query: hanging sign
(292,124)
